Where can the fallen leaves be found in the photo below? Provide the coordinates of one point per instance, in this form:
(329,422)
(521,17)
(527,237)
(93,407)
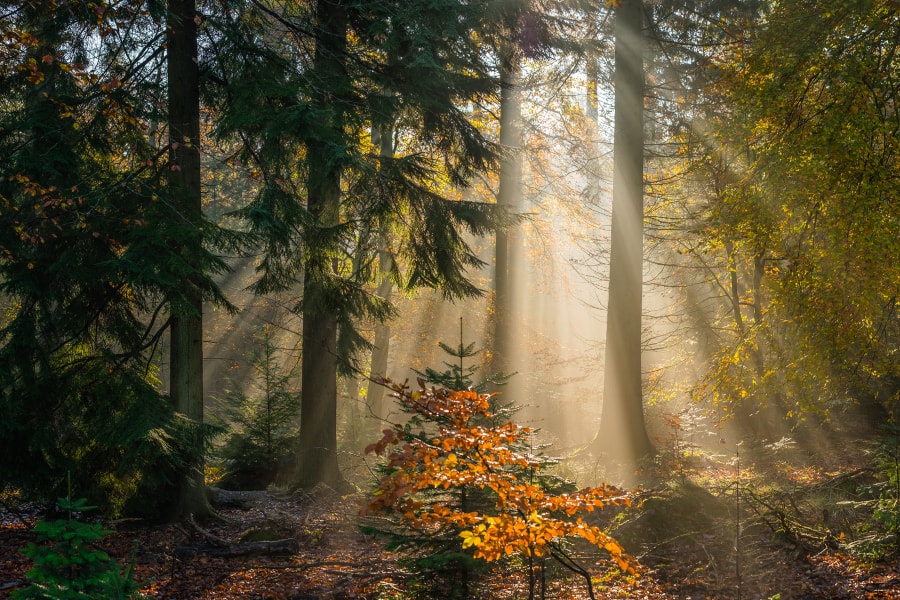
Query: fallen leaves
(336,561)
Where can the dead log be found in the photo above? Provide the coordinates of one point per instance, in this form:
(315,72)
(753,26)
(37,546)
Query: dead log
(285,546)
(5,585)
(243,500)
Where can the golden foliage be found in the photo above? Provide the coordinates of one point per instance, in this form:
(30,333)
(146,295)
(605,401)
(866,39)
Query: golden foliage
(467,451)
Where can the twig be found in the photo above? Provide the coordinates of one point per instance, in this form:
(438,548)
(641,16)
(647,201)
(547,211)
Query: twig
(569,563)
(214,539)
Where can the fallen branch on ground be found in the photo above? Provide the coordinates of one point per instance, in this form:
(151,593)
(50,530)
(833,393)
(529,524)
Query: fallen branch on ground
(285,546)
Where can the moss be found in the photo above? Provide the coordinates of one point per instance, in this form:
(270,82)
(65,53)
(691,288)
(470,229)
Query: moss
(259,535)
(682,508)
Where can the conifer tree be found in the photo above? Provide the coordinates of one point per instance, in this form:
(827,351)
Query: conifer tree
(622,430)
(263,421)
(183,177)
(323,184)
(86,268)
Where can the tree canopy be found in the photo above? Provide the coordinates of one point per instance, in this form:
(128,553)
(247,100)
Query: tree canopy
(366,150)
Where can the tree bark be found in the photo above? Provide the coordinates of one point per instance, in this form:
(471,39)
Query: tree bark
(622,430)
(317,450)
(186,358)
(509,196)
(382,343)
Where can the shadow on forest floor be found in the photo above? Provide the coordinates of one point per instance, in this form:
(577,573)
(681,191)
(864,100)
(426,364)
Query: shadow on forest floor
(308,545)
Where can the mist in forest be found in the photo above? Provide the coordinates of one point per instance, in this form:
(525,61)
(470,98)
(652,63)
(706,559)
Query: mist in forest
(555,379)
(558,369)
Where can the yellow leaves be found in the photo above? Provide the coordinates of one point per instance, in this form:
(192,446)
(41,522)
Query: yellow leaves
(35,76)
(109,86)
(428,474)
(612,548)
(469,539)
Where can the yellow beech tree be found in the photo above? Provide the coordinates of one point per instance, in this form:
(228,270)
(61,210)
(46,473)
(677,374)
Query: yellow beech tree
(454,471)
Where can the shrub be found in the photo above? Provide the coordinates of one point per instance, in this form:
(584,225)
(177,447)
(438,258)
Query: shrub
(265,425)
(107,427)
(464,490)
(67,563)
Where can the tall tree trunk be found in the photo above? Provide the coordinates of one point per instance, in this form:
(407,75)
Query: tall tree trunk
(318,411)
(186,358)
(317,447)
(592,112)
(509,196)
(382,342)
(622,431)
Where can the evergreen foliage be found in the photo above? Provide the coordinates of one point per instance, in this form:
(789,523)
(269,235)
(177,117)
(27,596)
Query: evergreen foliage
(327,74)
(411,66)
(458,376)
(67,563)
(87,270)
(264,424)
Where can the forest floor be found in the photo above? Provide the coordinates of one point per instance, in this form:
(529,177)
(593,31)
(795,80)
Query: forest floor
(330,558)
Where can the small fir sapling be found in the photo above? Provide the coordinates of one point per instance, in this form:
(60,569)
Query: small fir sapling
(264,424)
(458,376)
(68,565)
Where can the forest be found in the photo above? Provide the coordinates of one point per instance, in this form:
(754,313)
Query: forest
(412,299)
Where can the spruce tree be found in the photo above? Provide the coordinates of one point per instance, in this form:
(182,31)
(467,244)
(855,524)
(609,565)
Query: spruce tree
(86,265)
(323,184)
(183,178)
(263,422)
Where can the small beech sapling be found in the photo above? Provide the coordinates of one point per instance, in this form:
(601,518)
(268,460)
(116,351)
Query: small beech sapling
(452,449)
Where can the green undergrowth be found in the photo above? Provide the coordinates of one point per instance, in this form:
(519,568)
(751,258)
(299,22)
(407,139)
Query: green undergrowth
(68,564)
(730,527)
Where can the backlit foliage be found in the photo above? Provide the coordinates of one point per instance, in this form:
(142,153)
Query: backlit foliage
(449,444)
(786,183)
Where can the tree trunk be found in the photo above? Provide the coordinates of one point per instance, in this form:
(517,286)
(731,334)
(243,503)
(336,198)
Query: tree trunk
(509,196)
(381,351)
(317,449)
(318,412)
(382,342)
(622,431)
(186,358)
(592,112)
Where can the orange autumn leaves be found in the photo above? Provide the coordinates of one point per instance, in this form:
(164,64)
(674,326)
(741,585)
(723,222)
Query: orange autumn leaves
(452,444)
